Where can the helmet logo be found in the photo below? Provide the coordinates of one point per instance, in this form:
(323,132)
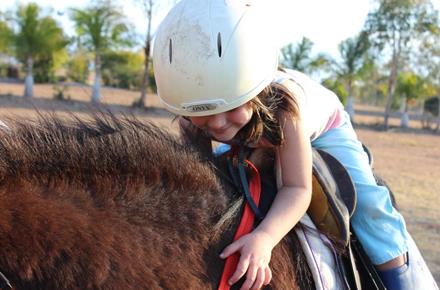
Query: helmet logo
(203,106)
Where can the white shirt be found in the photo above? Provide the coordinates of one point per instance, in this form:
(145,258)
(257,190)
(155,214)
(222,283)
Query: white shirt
(320,109)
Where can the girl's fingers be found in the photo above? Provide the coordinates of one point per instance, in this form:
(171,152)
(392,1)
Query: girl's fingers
(267,276)
(229,250)
(250,277)
(242,267)
(259,281)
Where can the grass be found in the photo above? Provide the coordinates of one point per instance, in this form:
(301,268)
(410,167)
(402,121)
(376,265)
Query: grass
(408,159)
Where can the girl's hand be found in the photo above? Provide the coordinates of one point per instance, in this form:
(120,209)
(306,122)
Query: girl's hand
(255,251)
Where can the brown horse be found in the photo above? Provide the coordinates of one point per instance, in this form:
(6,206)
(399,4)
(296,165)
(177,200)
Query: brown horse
(114,203)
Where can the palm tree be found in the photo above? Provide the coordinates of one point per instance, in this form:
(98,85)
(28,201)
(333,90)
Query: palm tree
(100,27)
(299,57)
(352,52)
(35,36)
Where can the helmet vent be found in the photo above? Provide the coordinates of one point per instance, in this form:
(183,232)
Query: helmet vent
(170,51)
(219,44)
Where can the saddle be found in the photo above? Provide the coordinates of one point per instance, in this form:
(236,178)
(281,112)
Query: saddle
(332,205)
(333,197)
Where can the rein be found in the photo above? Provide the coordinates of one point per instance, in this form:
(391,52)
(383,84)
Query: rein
(251,191)
(241,181)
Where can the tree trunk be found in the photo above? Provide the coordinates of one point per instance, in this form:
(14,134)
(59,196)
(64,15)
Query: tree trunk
(404,119)
(96,91)
(146,76)
(397,48)
(147,49)
(391,88)
(349,107)
(438,117)
(29,79)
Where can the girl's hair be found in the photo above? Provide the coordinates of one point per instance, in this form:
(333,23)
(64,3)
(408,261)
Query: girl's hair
(269,109)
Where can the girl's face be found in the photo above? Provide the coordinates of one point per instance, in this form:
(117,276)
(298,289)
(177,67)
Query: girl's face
(224,126)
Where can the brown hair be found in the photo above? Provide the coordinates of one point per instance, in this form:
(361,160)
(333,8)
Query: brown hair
(266,122)
(268,108)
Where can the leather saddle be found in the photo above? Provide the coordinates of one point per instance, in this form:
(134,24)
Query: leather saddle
(333,197)
(333,203)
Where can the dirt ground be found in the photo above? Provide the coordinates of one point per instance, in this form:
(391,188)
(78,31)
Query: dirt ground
(408,159)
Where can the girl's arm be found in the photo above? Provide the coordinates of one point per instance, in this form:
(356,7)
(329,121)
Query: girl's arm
(292,200)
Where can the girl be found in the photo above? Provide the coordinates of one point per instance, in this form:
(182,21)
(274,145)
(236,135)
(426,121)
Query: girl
(215,64)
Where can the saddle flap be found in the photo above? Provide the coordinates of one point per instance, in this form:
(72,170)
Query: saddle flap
(333,196)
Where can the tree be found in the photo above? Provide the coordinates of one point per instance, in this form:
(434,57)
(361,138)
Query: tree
(411,87)
(394,28)
(35,37)
(337,87)
(428,61)
(78,66)
(299,57)
(352,51)
(148,7)
(100,27)
(122,69)
(371,83)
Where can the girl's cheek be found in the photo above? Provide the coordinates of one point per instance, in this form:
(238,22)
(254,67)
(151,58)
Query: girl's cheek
(243,116)
(198,121)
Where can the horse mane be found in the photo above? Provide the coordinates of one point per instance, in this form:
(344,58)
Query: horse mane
(97,182)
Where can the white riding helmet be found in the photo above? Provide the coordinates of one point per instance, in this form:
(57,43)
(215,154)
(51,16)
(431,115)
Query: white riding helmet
(211,56)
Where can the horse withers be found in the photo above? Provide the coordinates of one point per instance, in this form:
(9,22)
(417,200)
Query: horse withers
(113,203)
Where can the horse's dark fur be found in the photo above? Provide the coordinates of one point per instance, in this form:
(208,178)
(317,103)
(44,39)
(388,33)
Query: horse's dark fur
(113,204)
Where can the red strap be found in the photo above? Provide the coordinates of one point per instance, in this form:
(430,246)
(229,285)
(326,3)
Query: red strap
(245,227)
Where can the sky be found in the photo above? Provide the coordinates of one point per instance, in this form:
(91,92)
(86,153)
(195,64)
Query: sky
(325,22)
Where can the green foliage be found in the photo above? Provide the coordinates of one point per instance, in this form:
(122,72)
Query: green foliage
(78,67)
(392,21)
(101,27)
(400,27)
(43,69)
(337,87)
(122,69)
(297,57)
(37,36)
(428,60)
(371,85)
(413,87)
(152,83)
(5,37)
(300,58)
(352,51)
